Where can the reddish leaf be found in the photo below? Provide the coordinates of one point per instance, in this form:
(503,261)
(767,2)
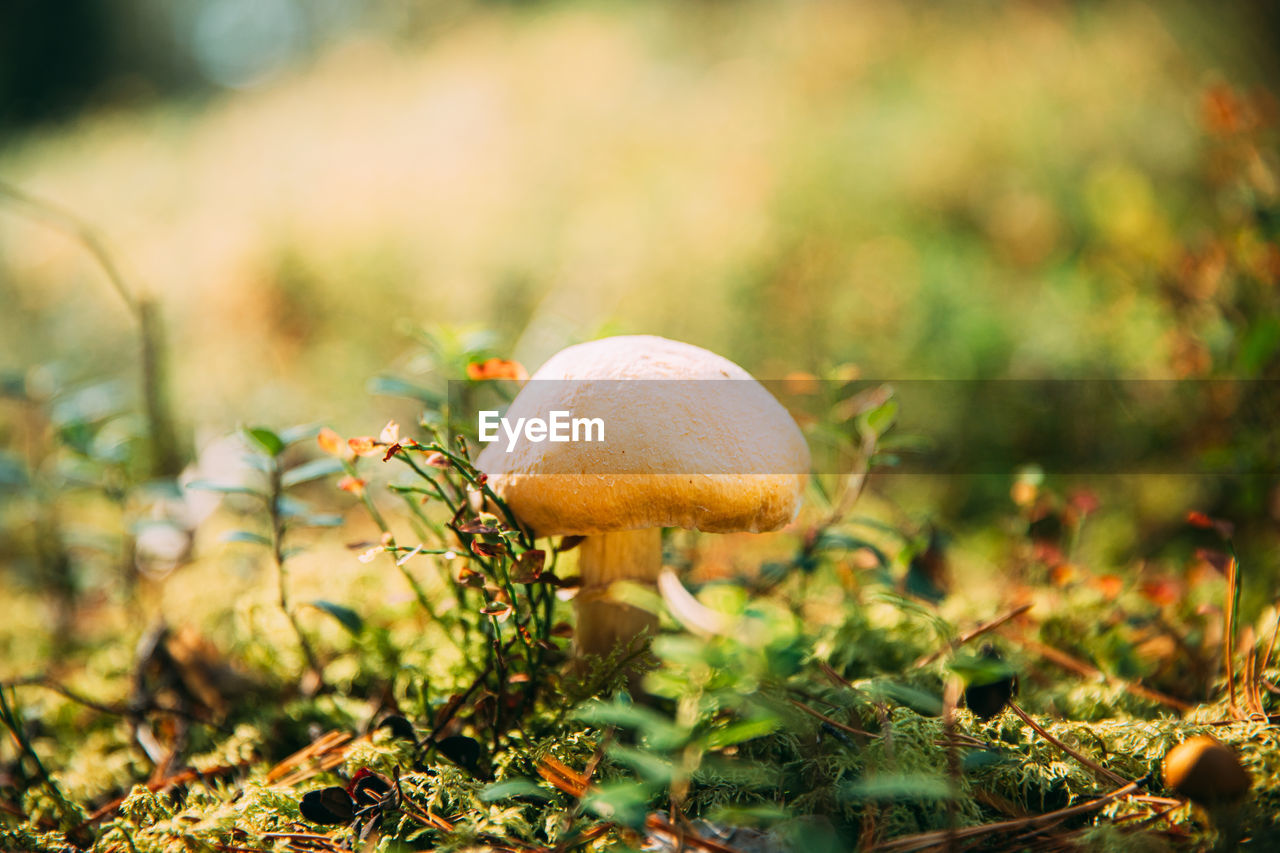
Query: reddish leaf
(1109,585)
(1217,559)
(498,610)
(497,368)
(1084,501)
(354,485)
(362,446)
(330,442)
(477,527)
(528,566)
(1163,591)
(488,549)
(1198,519)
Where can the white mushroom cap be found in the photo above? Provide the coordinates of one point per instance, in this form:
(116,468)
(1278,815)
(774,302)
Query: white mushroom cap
(717,456)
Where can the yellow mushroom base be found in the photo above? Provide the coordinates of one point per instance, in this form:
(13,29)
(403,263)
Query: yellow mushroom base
(629,555)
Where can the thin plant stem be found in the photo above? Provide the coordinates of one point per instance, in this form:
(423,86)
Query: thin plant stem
(166,458)
(278,557)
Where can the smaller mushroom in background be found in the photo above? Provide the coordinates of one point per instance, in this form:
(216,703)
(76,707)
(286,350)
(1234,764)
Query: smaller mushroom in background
(1209,773)
(692,440)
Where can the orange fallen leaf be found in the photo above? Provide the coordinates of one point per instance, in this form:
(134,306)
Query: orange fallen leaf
(497,368)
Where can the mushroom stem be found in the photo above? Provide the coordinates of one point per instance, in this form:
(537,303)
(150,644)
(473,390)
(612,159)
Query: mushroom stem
(628,555)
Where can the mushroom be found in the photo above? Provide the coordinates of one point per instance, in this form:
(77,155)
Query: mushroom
(690,440)
(1205,771)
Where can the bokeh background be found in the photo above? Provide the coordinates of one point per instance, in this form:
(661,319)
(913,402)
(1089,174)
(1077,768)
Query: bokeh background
(974,190)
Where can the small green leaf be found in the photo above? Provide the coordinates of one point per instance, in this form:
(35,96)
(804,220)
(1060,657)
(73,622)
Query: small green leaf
(313,470)
(290,507)
(899,786)
(977,670)
(920,701)
(393,386)
(622,802)
(322,519)
(829,540)
(520,787)
(762,815)
(981,758)
(225,488)
(13,474)
(266,439)
(348,617)
(647,764)
(878,421)
(13,385)
(741,731)
(302,432)
(660,732)
(246,536)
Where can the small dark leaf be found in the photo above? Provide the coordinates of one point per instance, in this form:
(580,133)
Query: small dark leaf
(399,727)
(988,700)
(568,543)
(368,788)
(328,806)
(989,682)
(348,617)
(462,751)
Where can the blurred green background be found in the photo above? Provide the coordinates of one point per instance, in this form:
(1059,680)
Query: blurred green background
(972,190)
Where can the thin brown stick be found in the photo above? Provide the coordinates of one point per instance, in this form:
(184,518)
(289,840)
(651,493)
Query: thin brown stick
(180,778)
(1269,719)
(167,460)
(1228,632)
(925,840)
(821,716)
(657,823)
(1251,693)
(1087,670)
(325,753)
(950,698)
(1097,768)
(834,676)
(1271,646)
(984,628)
(71,225)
